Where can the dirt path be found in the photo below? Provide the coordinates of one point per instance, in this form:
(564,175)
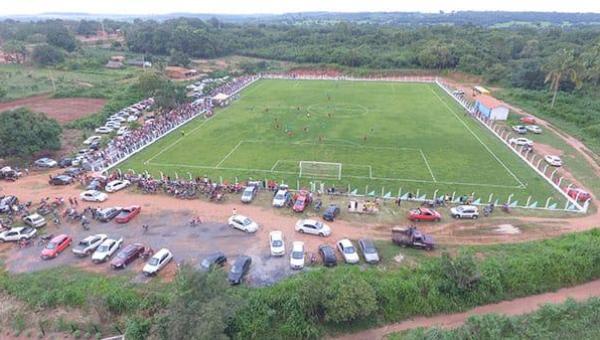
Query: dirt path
(514,307)
(63,110)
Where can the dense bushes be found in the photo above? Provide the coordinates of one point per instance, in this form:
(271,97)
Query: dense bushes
(575,320)
(24,133)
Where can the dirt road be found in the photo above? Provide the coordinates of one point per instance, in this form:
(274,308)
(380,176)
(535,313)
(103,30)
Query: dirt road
(514,307)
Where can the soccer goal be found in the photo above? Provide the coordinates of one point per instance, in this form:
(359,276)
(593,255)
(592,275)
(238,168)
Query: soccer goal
(320,169)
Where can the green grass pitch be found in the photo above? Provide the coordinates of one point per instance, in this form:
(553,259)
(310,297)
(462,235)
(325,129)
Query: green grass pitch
(387,137)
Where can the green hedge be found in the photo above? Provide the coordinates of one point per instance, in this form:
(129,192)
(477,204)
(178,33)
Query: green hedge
(300,307)
(574,320)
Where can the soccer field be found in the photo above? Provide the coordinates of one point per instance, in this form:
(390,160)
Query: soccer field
(369,136)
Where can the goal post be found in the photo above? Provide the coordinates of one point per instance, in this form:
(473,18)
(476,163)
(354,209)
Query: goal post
(320,169)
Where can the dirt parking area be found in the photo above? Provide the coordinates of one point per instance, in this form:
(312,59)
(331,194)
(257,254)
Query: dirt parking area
(63,110)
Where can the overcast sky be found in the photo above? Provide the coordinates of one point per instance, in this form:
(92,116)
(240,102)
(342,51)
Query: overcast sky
(8,7)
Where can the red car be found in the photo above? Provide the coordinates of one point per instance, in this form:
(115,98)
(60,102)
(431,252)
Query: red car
(127,214)
(127,255)
(56,246)
(301,201)
(424,214)
(579,194)
(528,120)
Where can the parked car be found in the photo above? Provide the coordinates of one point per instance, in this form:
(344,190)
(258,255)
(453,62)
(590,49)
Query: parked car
(65,162)
(93,196)
(56,246)
(313,227)
(7,203)
(107,214)
(249,193)
(35,220)
(216,259)
(158,261)
(116,185)
(45,163)
(92,139)
(88,245)
(348,251)
(327,255)
(276,243)
(73,172)
(297,255)
(331,212)
(104,130)
(424,214)
(520,129)
(465,211)
(369,251)
(553,160)
(127,255)
(60,180)
(302,201)
(239,269)
(527,120)
(521,141)
(127,214)
(17,234)
(534,128)
(106,249)
(579,194)
(412,237)
(281,198)
(243,223)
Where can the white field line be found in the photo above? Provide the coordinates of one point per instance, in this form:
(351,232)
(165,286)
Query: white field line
(275,165)
(345,176)
(229,154)
(478,139)
(354,146)
(427,163)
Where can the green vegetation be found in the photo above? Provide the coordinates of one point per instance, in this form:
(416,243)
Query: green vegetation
(574,320)
(24,133)
(46,55)
(388,136)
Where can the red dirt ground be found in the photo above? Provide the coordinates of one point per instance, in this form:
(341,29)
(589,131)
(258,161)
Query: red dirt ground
(63,110)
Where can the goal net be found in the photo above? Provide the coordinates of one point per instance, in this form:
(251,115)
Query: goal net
(320,169)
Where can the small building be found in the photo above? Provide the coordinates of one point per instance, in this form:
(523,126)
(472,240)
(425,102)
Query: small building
(491,107)
(220,99)
(177,72)
(138,63)
(118,58)
(480,90)
(114,64)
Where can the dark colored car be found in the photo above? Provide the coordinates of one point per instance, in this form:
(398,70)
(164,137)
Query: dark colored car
(61,180)
(95,145)
(107,214)
(7,202)
(127,255)
(73,172)
(331,212)
(95,185)
(327,255)
(65,162)
(127,214)
(239,269)
(213,260)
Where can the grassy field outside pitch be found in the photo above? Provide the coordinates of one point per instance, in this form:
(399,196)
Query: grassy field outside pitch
(386,137)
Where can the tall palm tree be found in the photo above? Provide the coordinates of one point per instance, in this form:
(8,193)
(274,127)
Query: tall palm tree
(561,66)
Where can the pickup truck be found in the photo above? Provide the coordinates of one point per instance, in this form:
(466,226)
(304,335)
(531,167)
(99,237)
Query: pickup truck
(412,237)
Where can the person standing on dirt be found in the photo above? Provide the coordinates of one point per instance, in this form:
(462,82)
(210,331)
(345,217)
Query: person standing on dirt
(234,211)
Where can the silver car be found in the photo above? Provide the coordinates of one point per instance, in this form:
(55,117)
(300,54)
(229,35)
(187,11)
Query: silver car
(369,250)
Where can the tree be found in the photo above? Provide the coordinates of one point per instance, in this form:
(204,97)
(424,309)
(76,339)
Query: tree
(17,48)
(344,302)
(23,133)
(3,93)
(58,35)
(591,64)
(179,58)
(561,66)
(200,307)
(460,273)
(47,55)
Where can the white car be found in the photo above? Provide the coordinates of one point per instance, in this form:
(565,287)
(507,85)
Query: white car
(465,211)
(158,261)
(313,227)
(91,140)
(132,118)
(117,118)
(276,243)
(123,130)
(86,246)
(17,234)
(297,255)
(348,251)
(106,250)
(521,141)
(553,160)
(520,129)
(116,185)
(281,198)
(35,220)
(242,222)
(533,128)
(104,129)
(46,163)
(93,196)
